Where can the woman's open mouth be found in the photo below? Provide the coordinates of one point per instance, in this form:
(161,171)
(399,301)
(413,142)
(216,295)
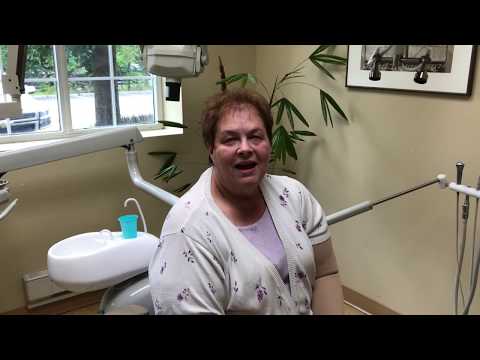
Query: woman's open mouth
(245,166)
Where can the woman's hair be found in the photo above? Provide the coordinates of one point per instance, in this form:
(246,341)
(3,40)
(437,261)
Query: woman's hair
(220,104)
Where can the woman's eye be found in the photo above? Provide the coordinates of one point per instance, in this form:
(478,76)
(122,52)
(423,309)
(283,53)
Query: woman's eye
(229,141)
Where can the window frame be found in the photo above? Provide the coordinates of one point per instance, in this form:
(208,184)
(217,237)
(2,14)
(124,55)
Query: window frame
(15,141)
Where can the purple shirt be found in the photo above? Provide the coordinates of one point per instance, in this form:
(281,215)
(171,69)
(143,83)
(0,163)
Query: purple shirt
(264,237)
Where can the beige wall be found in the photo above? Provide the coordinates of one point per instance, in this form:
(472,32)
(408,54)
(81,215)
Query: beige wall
(401,254)
(83,194)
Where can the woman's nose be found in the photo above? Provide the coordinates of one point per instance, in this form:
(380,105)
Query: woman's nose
(244,147)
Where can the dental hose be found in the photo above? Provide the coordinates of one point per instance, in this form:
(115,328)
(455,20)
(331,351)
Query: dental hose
(458,282)
(460,166)
(475,266)
(462,252)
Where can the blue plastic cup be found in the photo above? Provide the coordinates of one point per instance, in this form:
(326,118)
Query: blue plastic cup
(128,223)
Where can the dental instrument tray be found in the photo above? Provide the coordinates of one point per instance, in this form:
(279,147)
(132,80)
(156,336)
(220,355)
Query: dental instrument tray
(97,260)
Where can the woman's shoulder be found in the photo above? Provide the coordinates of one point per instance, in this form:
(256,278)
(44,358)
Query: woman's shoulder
(185,210)
(282,181)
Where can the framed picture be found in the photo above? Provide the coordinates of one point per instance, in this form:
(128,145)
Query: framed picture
(427,68)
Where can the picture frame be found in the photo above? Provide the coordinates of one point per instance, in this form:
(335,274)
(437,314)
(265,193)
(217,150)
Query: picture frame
(446,69)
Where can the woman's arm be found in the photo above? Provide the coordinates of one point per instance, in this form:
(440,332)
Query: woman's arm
(327,290)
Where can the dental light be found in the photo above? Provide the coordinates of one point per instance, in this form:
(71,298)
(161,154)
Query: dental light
(174,62)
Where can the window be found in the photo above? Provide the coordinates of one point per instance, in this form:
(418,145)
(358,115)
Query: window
(73,89)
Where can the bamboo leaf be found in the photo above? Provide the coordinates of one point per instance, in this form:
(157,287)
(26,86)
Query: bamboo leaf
(173,124)
(320,49)
(279,143)
(299,115)
(324,104)
(273,91)
(168,162)
(318,65)
(182,188)
(164,172)
(294,138)
(289,114)
(290,148)
(330,59)
(329,114)
(304,133)
(280,112)
(230,79)
(332,101)
(252,78)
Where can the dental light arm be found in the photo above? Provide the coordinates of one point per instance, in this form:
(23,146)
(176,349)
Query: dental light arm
(368,205)
(125,137)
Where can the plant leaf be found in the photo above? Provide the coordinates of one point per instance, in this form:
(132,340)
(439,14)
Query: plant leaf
(280,111)
(289,113)
(173,124)
(330,59)
(318,65)
(182,188)
(293,136)
(304,133)
(169,161)
(332,101)
(298,115)
(324,105)
(320,49)
(165,172)
(279,147)
(230,79)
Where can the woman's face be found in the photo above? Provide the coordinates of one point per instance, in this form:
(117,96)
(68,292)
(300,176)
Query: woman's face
(241,150)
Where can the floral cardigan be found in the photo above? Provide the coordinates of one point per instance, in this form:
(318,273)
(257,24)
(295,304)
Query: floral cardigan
(204,265)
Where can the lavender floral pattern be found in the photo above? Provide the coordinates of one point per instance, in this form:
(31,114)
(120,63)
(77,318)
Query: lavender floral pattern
(234,259)
(283,202)
(158,307)
(212,288)
(307,304)
(298,226)
(184,295)
(261,292)
(163,267)
(300,275)
(208,235)
(304,224)
(189,256)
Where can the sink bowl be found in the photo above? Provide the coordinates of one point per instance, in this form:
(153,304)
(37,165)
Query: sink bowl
(97,260)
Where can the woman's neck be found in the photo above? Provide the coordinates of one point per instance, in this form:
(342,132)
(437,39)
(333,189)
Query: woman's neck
(241,209)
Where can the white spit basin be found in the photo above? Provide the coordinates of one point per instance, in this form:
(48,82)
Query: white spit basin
(98,260)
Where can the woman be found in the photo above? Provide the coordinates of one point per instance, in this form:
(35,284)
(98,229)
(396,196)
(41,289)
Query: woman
(241,241)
